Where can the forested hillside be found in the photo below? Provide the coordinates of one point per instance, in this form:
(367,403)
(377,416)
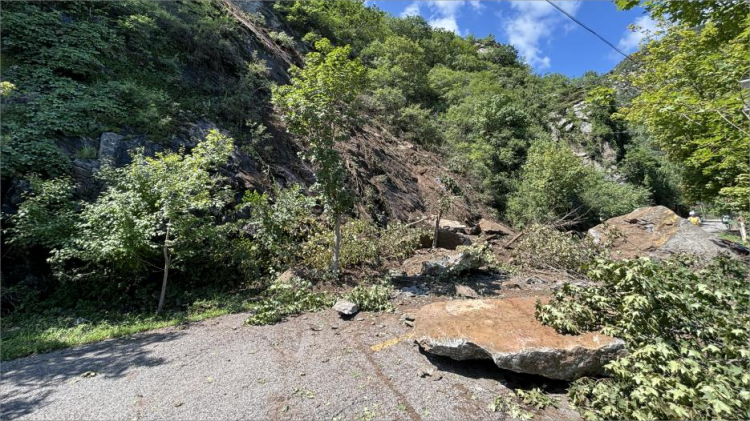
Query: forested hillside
(175,157)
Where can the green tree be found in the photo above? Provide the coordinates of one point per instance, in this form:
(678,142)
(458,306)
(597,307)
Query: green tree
(154,206)
(690,101)
(728,16)
(318,105)
(555,184)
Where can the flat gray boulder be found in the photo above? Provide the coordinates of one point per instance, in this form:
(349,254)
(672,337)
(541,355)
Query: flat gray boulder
(506,331)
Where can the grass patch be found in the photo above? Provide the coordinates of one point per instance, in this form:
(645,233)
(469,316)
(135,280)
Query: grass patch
(29,333)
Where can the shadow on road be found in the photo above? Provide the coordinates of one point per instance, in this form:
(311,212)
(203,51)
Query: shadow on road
(26,381)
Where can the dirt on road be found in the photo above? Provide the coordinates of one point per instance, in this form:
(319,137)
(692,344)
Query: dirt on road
(315,366)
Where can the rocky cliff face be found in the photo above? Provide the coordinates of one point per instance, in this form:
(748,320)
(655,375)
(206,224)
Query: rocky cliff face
(393,179)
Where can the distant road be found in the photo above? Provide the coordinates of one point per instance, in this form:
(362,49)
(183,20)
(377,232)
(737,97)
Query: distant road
(714,226)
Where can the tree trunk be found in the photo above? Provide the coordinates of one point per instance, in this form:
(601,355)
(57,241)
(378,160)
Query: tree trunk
(437,229)
(743,232)
(167,261)
(336,244)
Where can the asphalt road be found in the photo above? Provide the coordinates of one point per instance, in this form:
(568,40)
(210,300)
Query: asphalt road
(316,366)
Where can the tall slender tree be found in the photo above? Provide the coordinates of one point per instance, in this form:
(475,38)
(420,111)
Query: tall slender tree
(318,105)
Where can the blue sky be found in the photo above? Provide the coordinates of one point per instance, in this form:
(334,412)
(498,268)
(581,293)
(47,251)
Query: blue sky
(548,40)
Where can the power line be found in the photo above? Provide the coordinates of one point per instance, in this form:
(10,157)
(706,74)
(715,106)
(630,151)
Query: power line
(589,29)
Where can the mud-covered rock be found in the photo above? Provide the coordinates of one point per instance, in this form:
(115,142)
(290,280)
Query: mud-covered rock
(506,331)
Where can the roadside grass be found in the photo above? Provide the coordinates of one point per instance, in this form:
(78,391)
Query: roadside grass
(27,333)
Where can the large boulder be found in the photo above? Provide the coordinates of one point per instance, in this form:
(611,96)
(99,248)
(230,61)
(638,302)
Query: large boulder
(655,231)
(506,331)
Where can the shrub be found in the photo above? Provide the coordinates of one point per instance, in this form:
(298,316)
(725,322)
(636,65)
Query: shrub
(47,217)
(279,223)
(362,243)
(536,398)
(544,247)
(687,330)
(555,183)
(282,38)
(287,298)
(376,297)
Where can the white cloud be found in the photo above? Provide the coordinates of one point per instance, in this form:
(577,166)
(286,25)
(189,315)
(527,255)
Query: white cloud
(448,23)
(411,10)
(476,5)
(532,22)
(442,14)
(631,39)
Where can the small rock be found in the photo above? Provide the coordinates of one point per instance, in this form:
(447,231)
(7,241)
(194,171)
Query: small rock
(408,317)
(325,360)
(346,307)
(316,328)
(89,374)
(464,291)
(409,323)
(178,404)
(360,319)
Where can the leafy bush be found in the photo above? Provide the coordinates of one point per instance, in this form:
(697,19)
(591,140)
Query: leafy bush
(155,212)
(687,330)
(287,298)
(47,217)
(362,243)
(279,224)
(536,398)
(376,297)
(282,38)
(555,183)
(544,247)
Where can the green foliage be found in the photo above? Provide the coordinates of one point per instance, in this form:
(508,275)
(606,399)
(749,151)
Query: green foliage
(686,328)
(318,105)
(507,404)
(47,217)
(282,38)
(556,184)
(543,247)
(280,225)
(362,243)
(284,298)
(123,233)
(536,398)
(475,257)
(376,297)
(690,99)
(79,70)
(27,333)
(646,166)
(728,16)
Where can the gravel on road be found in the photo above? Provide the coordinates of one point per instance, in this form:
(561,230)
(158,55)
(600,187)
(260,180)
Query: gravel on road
(315,366)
